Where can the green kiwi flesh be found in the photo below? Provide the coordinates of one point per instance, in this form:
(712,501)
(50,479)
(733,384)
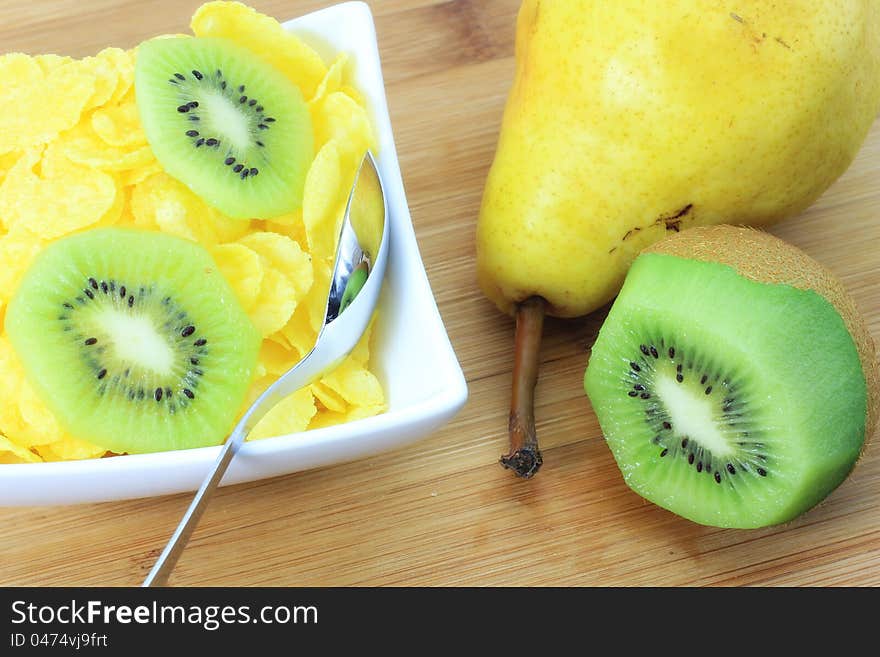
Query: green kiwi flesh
(730,402)
(224,122)
(134,340)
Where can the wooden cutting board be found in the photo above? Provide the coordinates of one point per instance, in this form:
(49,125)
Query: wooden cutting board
(443,512)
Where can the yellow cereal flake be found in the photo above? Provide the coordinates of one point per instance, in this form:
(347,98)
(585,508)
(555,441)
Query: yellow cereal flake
(11,381)
(302,329)
(243,268)
(51,62)
(161,202)
(361,412)
(27,422)
(17,250)
(290,225)
(280,339)
(70,198)
(355,384)
(340,117)
(332,81)
(261,383)
(119,125)
(228,229)
(112,159)
(12,453)
(287,279)
(11,422)
(287,221)
(317,302)
(298,332)
(275,303)
(290,415)
(276,358)
(106,80)
(283,254)
(36,105)
(323,201)
(327,418)
(361,352)
(329,398)
(122,62)
(265,36)
(354,94)
(40,426)
(82,145)
(7,161)
(69,448)
(114,215)
(133,177)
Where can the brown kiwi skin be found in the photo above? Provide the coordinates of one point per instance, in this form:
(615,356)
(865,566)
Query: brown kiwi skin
(762,257)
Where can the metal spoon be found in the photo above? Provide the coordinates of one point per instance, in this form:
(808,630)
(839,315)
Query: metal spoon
(354,290)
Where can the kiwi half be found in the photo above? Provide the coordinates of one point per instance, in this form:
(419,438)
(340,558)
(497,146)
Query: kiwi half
(733,378)
(134,340)
(224,122)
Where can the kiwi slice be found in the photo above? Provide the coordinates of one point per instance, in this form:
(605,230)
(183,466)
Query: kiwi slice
(226,123)
(134,340)
(729,386)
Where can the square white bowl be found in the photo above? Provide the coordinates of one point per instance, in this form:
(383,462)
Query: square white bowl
(412,356)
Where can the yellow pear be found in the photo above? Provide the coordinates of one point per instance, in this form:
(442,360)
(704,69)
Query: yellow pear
(629,119)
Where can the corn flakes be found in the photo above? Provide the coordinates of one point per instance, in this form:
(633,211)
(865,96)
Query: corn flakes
(83,160)
(264,36)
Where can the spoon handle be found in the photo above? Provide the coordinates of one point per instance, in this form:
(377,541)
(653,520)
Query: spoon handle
(333,344)
(303,373)
(161,570)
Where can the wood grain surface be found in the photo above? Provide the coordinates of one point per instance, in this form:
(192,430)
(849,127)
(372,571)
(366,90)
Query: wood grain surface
(442,512)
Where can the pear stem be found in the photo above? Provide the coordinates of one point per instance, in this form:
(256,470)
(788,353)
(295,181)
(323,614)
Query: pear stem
(525,457)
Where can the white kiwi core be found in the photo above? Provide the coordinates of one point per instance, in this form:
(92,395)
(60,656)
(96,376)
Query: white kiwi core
(691,413)
(227,119)
(135,340)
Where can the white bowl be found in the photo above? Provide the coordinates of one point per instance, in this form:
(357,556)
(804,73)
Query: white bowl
(413,357)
